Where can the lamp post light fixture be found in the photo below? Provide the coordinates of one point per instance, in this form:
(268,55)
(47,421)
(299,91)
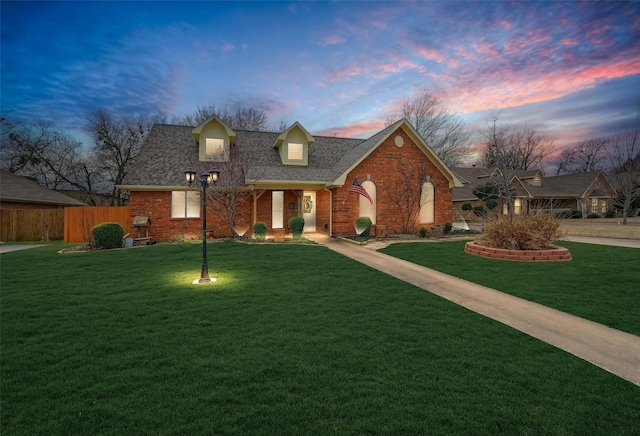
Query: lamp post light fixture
(206,179)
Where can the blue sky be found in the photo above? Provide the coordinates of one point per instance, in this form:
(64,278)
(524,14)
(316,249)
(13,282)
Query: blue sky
(571,70)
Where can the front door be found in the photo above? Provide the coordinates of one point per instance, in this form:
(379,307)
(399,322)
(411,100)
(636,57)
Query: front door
(309,211)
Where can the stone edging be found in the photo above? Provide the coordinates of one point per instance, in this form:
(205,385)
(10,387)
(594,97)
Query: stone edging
(555,254)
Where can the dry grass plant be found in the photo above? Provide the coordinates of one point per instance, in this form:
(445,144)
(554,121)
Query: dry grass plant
(529,232)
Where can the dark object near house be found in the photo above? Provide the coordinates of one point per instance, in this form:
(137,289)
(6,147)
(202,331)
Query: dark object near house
(141,224)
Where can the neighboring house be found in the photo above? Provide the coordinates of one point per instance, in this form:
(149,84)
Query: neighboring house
(533,192)
(20,193)
(90,199)
(289,174)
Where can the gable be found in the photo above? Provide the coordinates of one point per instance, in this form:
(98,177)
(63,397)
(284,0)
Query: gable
(214,140)
(363,150)
(293,145)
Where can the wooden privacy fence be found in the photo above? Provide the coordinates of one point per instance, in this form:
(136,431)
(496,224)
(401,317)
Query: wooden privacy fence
(31,224)
(79,220)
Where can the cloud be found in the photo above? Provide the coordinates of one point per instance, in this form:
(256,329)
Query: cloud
(332,39)
(358,129)
(347,72)
(227,47)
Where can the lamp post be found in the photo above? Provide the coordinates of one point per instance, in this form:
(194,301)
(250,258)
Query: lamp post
(206,179)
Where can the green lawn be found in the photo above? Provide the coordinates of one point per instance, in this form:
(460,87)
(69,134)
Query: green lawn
(290,340)
(601,283)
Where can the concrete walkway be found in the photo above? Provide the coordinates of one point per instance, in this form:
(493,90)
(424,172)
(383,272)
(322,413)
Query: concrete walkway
(9,248)
(610,349)
(618,242)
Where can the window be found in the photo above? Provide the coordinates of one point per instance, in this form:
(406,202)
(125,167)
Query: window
(277,210)
(294,151)
(366,208)
(215,149)
(603,206)
(427,203)
(185,204)
(517,206)
(594,205)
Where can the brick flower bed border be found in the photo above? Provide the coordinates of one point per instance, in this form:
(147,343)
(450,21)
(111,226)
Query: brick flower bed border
(555,254)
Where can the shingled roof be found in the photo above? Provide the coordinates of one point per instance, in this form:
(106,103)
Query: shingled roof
(565,186)
(169,149)
(18,189)
(568,186)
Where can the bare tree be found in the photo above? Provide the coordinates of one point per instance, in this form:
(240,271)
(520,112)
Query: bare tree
(241,118)
(586,156)
(499,154)
(405,193)
(231,191)
(50,157)
(623,156)
(117,143)
(506,147)
(440,128)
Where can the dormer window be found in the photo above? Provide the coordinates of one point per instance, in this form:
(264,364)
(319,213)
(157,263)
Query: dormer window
(295,151)
(214,140)
(214,149)
(293,145)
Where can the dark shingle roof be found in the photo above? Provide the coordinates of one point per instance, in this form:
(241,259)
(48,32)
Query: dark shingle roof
(170,149)
(565,186)
(568,185)
(19,189)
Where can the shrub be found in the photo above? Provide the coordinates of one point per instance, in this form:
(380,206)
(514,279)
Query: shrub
(528,232)
(611,213)
(575,214)
(448,227)
(363,225)
(479,210)
(467,206)
(491,203)
(423,232)
(593,215)
(260,230)
(296,224)
(108,235)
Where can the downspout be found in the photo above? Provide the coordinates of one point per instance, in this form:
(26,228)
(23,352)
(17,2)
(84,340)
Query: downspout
(330,211)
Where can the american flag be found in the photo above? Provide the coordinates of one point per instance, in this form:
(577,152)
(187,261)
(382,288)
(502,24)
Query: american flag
(357,187)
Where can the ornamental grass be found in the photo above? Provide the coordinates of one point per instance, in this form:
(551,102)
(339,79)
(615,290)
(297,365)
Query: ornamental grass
(528,232)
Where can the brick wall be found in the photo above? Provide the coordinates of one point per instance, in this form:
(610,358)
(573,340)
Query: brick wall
(157,206)
(386,164)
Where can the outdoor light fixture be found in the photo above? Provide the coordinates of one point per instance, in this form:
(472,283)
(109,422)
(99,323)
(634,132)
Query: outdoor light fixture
(206,179)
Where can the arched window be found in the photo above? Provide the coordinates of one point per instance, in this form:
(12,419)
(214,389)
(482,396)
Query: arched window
(366,208)
(427,203)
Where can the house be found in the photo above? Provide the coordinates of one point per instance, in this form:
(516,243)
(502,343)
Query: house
(20,193)
(291,173)
(587,193)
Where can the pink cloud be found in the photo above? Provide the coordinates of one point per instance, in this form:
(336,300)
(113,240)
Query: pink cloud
(503,88)
(430,54)
(346,72)
(227,47)
(568,42)
(487,49)
(505,24)
(359,129)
